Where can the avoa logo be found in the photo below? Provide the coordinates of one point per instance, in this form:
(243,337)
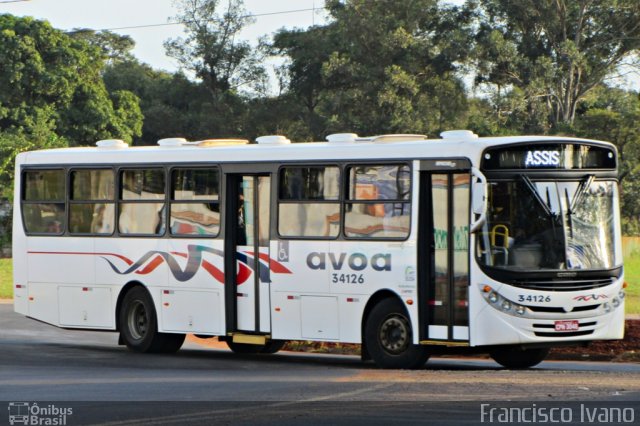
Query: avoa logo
(355,261)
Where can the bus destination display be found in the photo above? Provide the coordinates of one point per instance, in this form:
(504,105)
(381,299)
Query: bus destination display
(549,156)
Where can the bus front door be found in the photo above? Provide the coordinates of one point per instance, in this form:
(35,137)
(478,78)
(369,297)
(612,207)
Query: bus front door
(444,256)
(247,237)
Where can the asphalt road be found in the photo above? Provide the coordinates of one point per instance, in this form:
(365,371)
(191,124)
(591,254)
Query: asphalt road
(104,383)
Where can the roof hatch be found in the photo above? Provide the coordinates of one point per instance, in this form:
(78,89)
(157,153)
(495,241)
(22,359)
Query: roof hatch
(112,144)
(342,137)
(458,134)
(172,142)
(273,140)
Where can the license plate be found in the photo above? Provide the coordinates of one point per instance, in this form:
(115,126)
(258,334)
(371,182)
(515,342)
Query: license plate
(567,325)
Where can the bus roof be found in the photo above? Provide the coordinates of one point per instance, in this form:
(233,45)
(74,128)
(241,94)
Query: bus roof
(374,148)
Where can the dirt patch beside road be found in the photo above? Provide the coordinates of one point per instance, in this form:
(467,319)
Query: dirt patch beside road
(626,350)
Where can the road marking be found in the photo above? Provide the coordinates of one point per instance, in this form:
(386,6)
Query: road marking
(180,418)
(343,395)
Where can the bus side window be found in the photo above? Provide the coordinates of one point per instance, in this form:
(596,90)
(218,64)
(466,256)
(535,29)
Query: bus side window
(142,202)
(379,201)
(195,204)
(309,201)
(43,201)
(91,201)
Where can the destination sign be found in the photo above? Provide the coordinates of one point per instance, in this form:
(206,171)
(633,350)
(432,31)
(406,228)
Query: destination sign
(561,156)
(542,158)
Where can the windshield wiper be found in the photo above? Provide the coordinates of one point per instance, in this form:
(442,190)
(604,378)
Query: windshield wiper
(532,189)
(582,189)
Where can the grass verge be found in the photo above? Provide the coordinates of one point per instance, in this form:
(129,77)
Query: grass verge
(6,279)
(632,277)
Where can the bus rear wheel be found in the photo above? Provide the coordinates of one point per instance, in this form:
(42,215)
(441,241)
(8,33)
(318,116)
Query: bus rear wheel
(271,347)
(517,358)
(139,325)
(389,337)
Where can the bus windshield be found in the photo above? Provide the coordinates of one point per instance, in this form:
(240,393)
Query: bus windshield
(550,225)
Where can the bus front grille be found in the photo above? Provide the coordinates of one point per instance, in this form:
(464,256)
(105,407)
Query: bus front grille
(564,285)
(559,310)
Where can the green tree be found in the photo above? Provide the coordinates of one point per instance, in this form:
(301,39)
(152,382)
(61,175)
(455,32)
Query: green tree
(49,76)
(302,75)
(39,70)
(211,49)
(380,67)
(115,48)
(553,51)
(175,106)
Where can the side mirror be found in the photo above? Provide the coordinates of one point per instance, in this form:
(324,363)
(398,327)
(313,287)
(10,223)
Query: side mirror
(479,199)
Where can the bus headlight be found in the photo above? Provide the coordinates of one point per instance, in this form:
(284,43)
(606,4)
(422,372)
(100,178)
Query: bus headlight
(607,307)
(615,302)
(503,304)
(621,295)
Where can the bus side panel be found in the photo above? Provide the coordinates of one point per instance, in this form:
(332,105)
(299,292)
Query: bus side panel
(299,269)
(54,262)
(193,302)
(61,260)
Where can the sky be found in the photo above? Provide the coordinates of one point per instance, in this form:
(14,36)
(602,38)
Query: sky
(116,14)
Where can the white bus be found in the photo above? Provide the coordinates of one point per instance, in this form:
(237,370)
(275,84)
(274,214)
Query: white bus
(407,246)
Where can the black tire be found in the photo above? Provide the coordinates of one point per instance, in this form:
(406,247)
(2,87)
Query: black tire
(170,342)
(270,347)
(388,337)
(273,346)
(139,325)
(517,358)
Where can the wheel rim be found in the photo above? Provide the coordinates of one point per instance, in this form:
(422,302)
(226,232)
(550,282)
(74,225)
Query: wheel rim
(395,334)
(138,320)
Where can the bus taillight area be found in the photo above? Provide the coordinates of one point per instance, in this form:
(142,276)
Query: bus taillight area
(553,317)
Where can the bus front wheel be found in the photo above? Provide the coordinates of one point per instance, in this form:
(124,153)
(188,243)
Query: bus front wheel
(389,337)
(517,358)
(139,325)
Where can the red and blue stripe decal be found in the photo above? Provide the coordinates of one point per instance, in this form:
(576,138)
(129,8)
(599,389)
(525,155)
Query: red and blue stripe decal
(151,260)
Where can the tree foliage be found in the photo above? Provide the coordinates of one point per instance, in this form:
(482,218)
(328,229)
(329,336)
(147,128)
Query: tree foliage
(115,48)
(553,51)
(211,48)
(379,67)
(50,77)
